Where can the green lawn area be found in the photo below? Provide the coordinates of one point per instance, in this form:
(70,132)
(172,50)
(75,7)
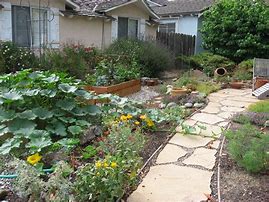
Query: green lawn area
(262,106)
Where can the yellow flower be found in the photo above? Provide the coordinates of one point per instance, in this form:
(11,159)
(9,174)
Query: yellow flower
(137,123)
(129,116)
(105,165)
(34,159)
(97,173)
(98,164)
(143,117)
(132,174)
(113,165)
(123,118)
(150,123)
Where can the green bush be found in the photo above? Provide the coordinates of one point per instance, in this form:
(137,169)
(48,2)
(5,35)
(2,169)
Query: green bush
(208,63)
(14,58)
(39,109)
(77,60)
(249,147)
(244,70)
(151,57)
(109,178)
(237,29)
(261,106)
(207,87)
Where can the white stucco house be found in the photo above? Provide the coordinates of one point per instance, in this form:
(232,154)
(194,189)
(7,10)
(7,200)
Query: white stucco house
(37,23)
(182,16)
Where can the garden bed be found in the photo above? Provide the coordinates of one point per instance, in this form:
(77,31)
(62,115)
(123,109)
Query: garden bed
(121,89)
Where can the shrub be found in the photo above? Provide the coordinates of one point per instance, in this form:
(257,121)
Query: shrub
(249,147)
(39,109)
(261,106)
(108,179)
(237,29)
(151,57)
(251,117)
(209,62)
(244,70)
(14,58)
(75,60)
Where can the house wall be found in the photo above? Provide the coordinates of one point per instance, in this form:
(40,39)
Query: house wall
(135,11)
(151,31)
(54,7)
(184,25)
(85,30)
(188,25)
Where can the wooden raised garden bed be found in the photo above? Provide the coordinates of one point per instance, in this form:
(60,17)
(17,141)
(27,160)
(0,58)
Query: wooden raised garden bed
(121,89)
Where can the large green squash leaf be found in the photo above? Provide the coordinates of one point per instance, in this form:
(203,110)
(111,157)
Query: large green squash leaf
(66,104)
(75,130)
(67,88)
(9,145)
(12,95)
(42,113)
(28,114)
(22,126)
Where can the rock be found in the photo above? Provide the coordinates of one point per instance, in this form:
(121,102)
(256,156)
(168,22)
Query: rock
(161,106)
(144,80)
(3,194)
(195,93)
(160,81)
(169,89)
(266,123)
(54,157)
(171,105)
(188,105)
(175,79)
(198,105)
(90,134)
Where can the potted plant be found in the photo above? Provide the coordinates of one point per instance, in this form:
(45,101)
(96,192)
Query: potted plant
(236,83)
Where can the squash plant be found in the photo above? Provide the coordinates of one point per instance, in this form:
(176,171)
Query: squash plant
(38,109)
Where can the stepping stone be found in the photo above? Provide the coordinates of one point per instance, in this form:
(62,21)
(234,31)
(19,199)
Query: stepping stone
(214,104)
(189,141)
(170,154)
(211,110)
(244,99)
(207,130)
(188,122)
(232,109)
(226,115)
(215,144)
(223,124)
(214,99)
(173,183)
(232,103)
(219,95)
(202,157)
(207,118)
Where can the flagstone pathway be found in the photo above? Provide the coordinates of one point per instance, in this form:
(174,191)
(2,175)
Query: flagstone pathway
(183,169)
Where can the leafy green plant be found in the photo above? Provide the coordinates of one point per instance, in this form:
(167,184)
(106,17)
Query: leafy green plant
(108,179)
(261,106)
(89,152)
(110,72)
(249,147)
(39,109)
(185,80)
(237,29)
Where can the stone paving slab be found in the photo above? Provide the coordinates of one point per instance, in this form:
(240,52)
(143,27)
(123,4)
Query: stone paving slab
(226,115)
(207,130)
(211,110)
(202,157)
(170,153)
(172,183)
(207,118)
(233,103)
(190,141)
(232,109)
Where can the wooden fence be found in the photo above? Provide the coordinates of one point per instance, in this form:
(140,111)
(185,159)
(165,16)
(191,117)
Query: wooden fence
(178,44)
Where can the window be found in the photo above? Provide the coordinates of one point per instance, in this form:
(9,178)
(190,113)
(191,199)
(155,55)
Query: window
(29,26)
(127,28)
(168,28)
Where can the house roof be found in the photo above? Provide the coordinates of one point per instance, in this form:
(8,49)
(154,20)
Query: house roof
(181,7)
(95,7)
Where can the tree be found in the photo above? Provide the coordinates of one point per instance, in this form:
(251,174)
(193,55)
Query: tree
(237,29)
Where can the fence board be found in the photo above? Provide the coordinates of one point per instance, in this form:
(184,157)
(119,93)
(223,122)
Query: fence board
(178,44)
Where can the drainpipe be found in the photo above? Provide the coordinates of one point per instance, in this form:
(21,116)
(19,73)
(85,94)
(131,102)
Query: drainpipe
(103,35)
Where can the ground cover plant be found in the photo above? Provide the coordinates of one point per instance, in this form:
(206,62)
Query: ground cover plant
(237,29)
(262,106)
